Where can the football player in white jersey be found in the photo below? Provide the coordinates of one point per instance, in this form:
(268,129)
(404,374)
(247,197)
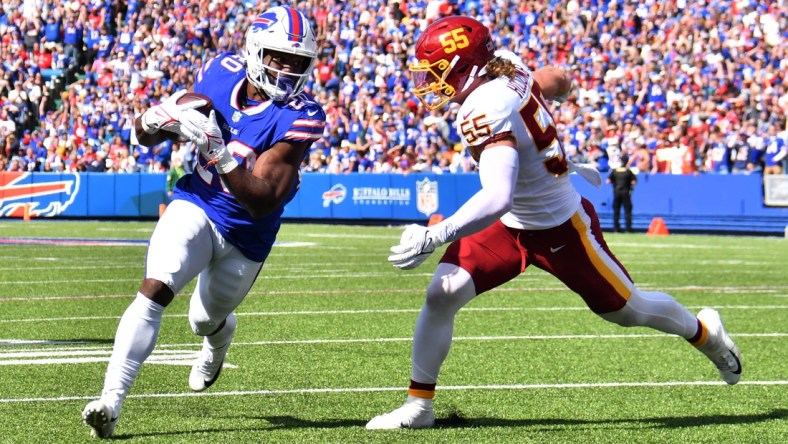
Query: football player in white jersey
(224,217)
(527,212)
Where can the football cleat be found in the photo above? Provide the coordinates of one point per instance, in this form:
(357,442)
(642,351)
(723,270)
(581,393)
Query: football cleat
(416,413)
(98,416)
(207,368)
(719,347)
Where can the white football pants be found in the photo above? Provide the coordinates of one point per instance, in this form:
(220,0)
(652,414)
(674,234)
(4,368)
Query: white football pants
(185,245)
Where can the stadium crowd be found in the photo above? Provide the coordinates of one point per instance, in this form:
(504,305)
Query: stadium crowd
(679,87)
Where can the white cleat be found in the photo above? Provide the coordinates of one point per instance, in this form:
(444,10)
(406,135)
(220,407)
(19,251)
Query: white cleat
(416,413)
(207,368)
(98,416)
(719,347)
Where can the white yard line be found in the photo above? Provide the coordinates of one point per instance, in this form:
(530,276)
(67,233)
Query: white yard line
(778,290)
(376,311)
(391,389)
(46,348)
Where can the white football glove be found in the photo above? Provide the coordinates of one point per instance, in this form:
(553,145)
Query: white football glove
(166,115)
(416,244)
(205,133)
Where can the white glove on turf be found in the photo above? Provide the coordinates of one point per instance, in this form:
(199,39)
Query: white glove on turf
(205,133)
(166,115)
(415,246)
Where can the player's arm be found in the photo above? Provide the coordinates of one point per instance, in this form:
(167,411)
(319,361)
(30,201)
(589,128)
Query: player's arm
(263,190)
(498,178)
(554,81)
(498,168)
(260,191)
(146,139)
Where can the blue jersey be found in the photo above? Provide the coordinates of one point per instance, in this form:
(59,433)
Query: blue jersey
(247,132)
(775,151)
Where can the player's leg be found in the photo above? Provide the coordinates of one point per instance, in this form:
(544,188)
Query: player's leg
(467,269)
(221,287)
(179,248)
(588,267)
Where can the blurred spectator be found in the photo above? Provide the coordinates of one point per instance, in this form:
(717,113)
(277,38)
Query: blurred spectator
(173,174)
(776,152)
(680,81)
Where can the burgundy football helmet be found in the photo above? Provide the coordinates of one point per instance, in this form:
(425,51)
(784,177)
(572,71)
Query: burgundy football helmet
(450,53)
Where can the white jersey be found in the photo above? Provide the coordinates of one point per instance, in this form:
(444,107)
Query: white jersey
(543,196)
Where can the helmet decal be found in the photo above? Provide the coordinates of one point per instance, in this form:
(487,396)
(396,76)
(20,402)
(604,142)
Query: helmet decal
(263,21)
(296,30)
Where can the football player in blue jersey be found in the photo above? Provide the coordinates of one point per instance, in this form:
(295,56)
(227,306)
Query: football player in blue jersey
(224,217)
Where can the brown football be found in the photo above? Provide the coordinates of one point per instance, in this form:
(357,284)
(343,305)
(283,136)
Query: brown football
(186,98)
(193,96)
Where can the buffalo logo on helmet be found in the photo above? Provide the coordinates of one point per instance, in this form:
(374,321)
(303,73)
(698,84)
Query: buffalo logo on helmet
(263,21)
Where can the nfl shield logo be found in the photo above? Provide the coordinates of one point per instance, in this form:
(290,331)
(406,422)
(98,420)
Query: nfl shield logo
(236,116)
(427,196)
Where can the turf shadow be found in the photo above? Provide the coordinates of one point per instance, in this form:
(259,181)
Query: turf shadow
(457,420)
(292,422)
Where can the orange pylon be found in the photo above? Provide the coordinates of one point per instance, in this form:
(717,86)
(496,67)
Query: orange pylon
(434,219)
(657,227)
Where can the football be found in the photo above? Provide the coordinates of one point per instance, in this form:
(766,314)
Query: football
(184,99)
(193,96)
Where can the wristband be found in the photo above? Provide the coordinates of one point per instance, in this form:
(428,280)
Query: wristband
(225,162)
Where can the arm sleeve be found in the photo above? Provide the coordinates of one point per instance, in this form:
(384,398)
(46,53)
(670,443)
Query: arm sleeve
(781,155)
(498,179)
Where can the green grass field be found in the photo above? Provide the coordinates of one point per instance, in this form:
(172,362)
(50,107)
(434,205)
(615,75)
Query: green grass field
(323,344)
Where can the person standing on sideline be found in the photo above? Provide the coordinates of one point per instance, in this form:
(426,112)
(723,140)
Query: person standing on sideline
(527,212)
(174,174)
(225,216)
(623,180)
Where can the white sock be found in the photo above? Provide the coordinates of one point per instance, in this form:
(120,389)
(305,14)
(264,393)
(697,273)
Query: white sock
(657,310)
(431,342)
(423,403)
(134,342)
(451,288)
(224,335)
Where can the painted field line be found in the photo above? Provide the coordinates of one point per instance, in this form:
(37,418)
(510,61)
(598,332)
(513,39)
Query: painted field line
(392,389)
(488,338)
(373,311)
(330,274)
(765,289)
(82,346)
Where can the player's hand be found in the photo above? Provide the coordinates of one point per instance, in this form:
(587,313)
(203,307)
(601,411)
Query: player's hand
(166,115)
(415,246)
(563,97)
(205,133)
